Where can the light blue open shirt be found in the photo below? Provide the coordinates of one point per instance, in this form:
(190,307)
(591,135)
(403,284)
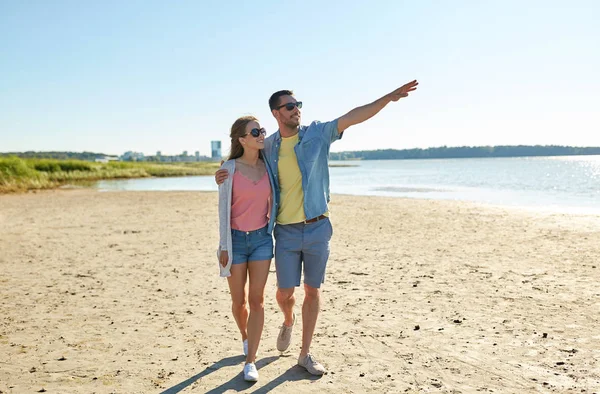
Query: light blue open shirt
(312,153)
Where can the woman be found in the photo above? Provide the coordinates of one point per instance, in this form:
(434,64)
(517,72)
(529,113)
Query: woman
(246,220)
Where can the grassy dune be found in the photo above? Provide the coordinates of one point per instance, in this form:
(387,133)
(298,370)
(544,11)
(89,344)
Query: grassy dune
(19,175)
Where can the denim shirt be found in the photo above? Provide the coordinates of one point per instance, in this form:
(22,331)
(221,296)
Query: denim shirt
(312,153)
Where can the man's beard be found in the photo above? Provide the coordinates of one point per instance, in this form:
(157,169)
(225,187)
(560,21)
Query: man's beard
(291,123)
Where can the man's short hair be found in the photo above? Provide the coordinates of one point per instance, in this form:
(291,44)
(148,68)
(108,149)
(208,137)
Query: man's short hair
(274,100)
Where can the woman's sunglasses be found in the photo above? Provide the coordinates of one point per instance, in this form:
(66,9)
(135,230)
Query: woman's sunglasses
(291,106)
(256,132)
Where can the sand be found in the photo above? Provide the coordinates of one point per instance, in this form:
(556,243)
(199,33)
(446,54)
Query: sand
(119,293)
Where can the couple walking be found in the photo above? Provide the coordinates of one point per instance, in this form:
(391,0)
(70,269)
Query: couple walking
(279,186)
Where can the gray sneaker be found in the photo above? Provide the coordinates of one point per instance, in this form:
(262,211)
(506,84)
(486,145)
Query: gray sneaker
(285,336)
(311,364)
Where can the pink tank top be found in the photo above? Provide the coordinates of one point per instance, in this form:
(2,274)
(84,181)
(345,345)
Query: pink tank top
(250,203)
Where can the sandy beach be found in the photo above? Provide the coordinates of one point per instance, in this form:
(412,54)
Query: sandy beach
(120,293)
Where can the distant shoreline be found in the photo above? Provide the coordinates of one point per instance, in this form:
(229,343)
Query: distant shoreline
(24,174)
(448,158)
(466,152)
(441,152)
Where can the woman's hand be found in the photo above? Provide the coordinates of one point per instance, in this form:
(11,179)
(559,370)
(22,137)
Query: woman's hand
(223,258)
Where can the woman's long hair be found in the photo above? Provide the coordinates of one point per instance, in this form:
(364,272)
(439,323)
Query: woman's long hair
(238,130)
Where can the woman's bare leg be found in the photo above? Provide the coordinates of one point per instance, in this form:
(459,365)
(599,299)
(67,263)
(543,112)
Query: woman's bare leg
(258,272)
(237,289)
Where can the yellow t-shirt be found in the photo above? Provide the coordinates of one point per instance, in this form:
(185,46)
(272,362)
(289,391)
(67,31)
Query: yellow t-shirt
(291,204)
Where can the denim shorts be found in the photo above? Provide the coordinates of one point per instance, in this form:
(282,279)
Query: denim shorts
(249,246)
(302,246)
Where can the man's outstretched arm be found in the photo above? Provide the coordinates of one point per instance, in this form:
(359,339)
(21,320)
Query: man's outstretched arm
(221,175)
(360,114)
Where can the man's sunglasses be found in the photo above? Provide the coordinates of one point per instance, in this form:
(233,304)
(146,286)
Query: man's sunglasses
(256,132)
(291,106)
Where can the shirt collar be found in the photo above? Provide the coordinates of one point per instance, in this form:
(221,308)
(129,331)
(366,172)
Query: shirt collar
(301,131)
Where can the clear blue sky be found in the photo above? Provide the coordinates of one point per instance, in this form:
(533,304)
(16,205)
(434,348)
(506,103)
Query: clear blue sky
(110,76)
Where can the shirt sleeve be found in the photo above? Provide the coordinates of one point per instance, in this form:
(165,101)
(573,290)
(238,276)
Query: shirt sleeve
(329,131)
(223,207)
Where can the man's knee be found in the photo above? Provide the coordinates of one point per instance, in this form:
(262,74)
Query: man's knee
(285,294)
(311,292)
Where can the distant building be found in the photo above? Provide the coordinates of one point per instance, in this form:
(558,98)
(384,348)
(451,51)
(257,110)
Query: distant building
(106,159)
(215,147)
(184,156)
(132,156)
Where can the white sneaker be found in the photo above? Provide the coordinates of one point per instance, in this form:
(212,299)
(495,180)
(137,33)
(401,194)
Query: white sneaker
(245,347)
(250,373)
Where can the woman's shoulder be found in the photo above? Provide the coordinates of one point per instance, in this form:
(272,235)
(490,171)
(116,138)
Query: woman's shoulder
(228,165)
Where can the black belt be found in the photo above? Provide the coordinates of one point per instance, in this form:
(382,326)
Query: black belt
(315,219)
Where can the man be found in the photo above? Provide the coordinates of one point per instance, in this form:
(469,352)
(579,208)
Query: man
(298,156)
